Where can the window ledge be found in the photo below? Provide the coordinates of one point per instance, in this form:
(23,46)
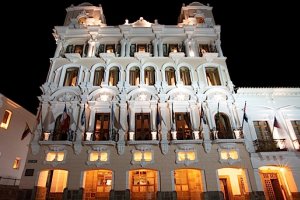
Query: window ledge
(112,143)
(60,142)
(186,141)
(150,142)
(229,140)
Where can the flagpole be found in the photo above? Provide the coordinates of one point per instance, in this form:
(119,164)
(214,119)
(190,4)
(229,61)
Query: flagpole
(244,115)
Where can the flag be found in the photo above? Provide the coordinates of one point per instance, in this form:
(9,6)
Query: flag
(203,116)
(245,117)
(64,115)
(65,120)
(276,124)
(157,118)
(26,131)
(111,136)
(128,119)
(83,117)
(173,118)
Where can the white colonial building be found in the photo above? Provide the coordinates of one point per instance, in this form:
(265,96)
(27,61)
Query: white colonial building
(13,149)
(148,111)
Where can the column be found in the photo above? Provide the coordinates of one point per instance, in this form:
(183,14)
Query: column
(187,47)
(128,44)
(91,50)
(153,117)
(219,49)
(58,48)
(123,46)
(160,48)
(123,120)
(155,49)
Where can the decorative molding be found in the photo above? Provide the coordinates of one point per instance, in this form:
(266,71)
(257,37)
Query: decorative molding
(142,149)
(73,57)
(207,145)
(55,149)
(268,91)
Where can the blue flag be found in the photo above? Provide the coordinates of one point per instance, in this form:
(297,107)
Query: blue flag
(245,117)
(83,117)
(157,117)
(276,124)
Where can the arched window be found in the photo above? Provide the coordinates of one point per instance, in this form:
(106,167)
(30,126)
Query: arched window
(170,76)
(61,129)
(98,76)
(212,76)
(134,76)
(185,75)
(149,76)
(223,126)
(113,78)
(71,76)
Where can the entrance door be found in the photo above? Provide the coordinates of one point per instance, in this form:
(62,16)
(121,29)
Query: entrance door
(225,187)
(273,187)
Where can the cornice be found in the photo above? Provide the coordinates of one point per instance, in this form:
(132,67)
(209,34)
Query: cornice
(276,91)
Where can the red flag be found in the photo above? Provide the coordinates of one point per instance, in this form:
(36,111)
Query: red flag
(26,131)
(276,124)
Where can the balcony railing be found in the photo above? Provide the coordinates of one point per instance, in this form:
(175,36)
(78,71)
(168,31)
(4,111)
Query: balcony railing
(269,145)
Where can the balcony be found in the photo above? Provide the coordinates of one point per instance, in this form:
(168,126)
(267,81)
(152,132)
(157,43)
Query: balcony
(269,145)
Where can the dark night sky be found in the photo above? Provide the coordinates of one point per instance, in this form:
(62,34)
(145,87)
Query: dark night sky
(259,40)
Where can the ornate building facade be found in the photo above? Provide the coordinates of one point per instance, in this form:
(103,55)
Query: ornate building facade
(148,111)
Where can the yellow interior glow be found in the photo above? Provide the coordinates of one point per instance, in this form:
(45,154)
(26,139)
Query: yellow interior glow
(191,155)
(59,181)
(181,156)
(224,155)
(60,156)
(42,179)
(148,156)
(94,156)
(233,154)
(103,156)
(50,156)
(137,156)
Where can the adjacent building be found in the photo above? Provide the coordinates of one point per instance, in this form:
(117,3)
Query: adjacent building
(148,111)
(13,144)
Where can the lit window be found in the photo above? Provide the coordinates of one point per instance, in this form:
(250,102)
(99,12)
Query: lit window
(98,76)
(147,156)
(98,157)
(6,119)
(134,76)
(113,78)
(185,76)
(50,156)
(137,156)
(191,155)
(212,76)
(17,162)
(228,155)
(181,156)
(55,156)
(188,155)
(71,76)
(149,76)
(170,76)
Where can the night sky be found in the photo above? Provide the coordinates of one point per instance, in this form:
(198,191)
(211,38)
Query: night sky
(259,40)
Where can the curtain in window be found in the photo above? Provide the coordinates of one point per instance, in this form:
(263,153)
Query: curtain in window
(185,75)
(113,76)
(149,76)
(170,76)
(71,77)
(98,76)
(134,76)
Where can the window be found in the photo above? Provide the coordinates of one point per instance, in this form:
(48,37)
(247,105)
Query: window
(223,126)
(185,75)
(262,130)
(71,76)
(149,75)
(170,76)
(113,78)
(142,48)
(134,76)
(186,155)
(110,48)
(98,156)
(17,163)
(143,184)
(145,156)
(98,76)
(296,127)
(101,129)
(173,48)
(183,126)
(142,126)
(78,48)
(226,154)
(212,76)
(6,119)
(55,156)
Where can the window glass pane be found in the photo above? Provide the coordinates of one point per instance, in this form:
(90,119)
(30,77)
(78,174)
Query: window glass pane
(148,156)
(98,76)
(134,76)
(212,76)
(113,76)
(170,76)
(224,154)
(137,156)
(149,76)
(185,75)
(181,156)
(233,154)
(191,155)
(71,77)
(16,164)
(60,156)
(50,156)
(6,119)
(103,156)
(93,156)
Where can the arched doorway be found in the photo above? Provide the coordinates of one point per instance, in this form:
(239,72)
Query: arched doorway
(188,184)
(97,184)
(51,184)
(143,184)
